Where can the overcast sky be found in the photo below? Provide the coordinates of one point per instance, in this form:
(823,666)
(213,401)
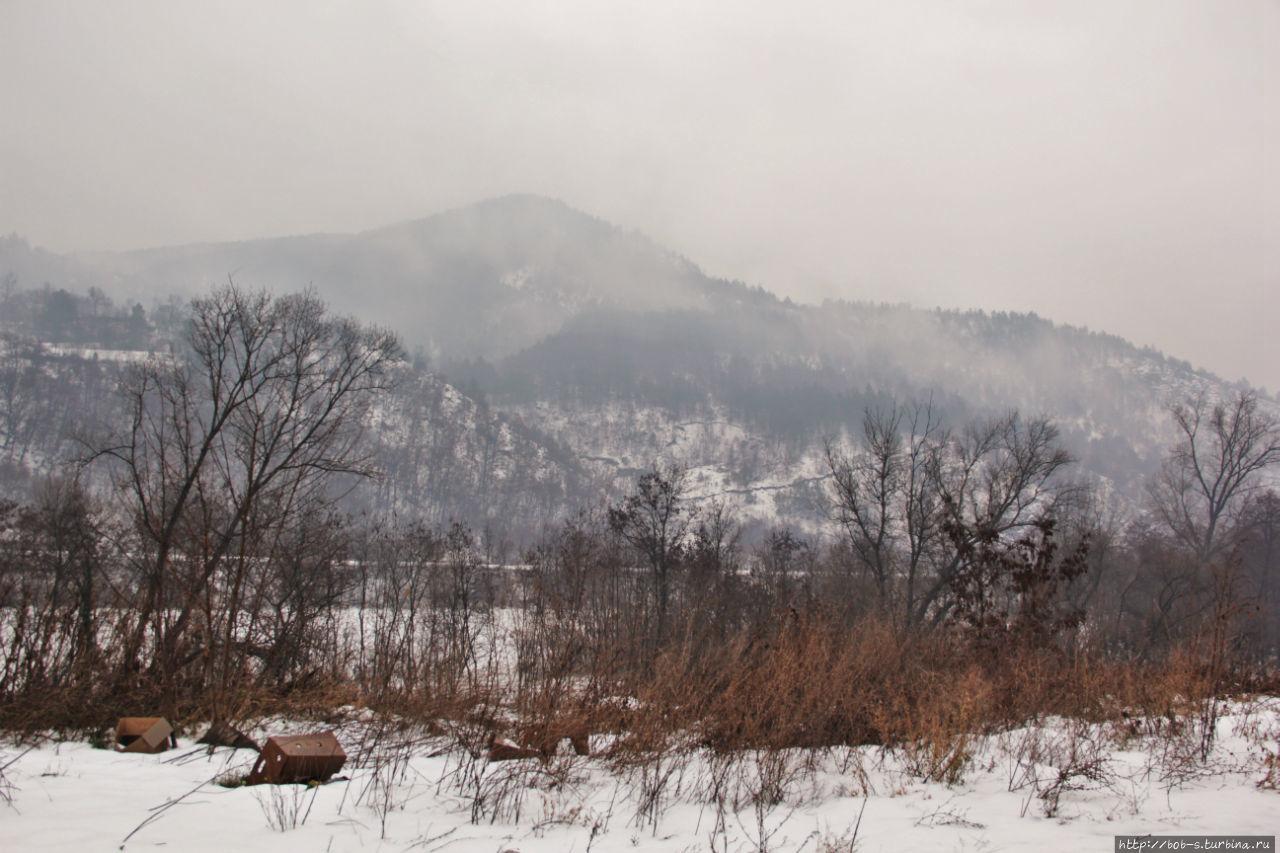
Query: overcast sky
(1109,163)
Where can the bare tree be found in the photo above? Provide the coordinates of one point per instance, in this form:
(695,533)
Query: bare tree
(49,579)
(914,493)
(1260,556)
(227,445)
(1000,479)
(18,406)
(1213,469)
(655,521)
(886,496)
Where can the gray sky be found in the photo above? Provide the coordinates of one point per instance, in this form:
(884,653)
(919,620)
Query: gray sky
(1109,163)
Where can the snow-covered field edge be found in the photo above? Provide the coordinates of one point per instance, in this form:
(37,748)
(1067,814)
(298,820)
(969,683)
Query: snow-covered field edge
(1055,785)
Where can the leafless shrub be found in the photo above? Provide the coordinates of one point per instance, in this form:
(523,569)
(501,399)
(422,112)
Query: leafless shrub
(7,787)
(1053,758)
(654,775)
(1023,751)
(1271,766)
(844,842)
(286,806)
(1080,761)
(384,753)
(948,815)
(768,779)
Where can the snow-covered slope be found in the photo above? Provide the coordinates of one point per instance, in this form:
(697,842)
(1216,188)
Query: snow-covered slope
(624,353)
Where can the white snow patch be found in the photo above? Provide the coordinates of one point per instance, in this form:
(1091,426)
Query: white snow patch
(414,794)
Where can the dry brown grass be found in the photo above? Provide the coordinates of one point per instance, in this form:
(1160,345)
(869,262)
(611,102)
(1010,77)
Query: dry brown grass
(738,672)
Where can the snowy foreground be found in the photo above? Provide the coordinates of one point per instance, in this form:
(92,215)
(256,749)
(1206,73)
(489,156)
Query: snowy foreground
(1060,786)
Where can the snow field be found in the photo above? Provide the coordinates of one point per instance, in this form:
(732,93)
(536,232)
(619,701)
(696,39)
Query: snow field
(1057,785)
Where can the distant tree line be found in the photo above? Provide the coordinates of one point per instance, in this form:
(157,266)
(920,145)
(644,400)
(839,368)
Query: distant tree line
(211,570)
(89,320)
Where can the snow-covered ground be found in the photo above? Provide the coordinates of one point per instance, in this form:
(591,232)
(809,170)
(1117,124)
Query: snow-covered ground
(1058,786)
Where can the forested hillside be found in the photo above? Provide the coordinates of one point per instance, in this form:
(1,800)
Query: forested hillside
(609,352)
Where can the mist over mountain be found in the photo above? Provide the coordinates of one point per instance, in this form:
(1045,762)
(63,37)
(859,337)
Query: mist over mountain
(482,281)
(578,353)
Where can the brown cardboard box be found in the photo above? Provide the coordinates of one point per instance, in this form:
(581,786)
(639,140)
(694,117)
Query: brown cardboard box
(143,734)
(298,758)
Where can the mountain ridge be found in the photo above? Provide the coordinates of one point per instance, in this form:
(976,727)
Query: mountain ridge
(606,342)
